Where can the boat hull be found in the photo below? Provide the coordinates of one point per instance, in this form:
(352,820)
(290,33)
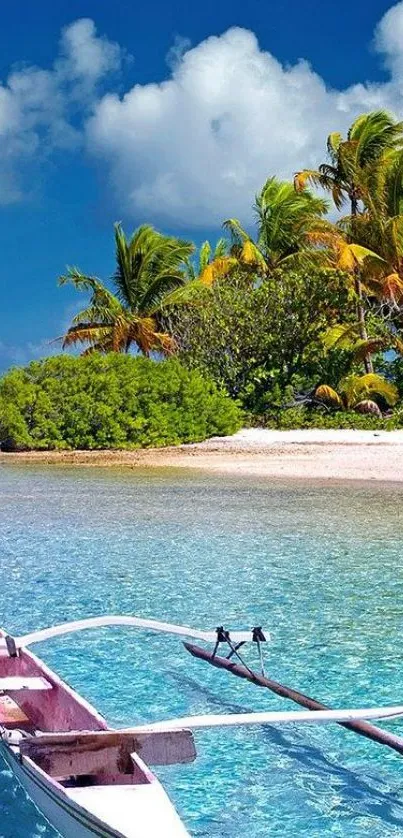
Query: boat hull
(70,820)
(119,802)
(158,819)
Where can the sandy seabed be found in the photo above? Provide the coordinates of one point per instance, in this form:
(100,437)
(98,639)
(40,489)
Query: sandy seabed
(306,454)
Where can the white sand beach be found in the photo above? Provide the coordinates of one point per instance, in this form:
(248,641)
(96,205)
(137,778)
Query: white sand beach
(301,454)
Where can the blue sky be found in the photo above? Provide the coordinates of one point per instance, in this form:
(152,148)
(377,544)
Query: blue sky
(171,113)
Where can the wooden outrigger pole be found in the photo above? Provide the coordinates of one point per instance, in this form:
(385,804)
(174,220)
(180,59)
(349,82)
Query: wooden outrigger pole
(370,731)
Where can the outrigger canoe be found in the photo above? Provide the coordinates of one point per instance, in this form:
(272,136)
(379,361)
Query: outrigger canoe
(90,780)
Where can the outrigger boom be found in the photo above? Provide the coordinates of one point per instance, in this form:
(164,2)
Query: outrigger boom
(134,622)
(272,718)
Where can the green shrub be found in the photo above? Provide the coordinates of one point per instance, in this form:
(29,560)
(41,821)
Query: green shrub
(295,418)
(110,401)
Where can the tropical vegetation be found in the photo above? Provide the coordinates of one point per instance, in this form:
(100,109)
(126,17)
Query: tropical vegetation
(297,319)
(259,340)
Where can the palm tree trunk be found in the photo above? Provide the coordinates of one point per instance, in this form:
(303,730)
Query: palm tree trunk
(358,290)
(361,322)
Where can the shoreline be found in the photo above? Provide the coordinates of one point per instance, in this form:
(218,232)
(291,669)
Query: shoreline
(301,455)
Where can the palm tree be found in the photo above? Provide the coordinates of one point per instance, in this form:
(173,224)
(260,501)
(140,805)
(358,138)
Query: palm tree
(352,160)
(379,281)
(284,218)
(351,174)
(355,392)
(378,254)
(149,268)
(212,263)
(381,229)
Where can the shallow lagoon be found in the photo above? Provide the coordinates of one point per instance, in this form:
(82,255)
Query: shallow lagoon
(319,566)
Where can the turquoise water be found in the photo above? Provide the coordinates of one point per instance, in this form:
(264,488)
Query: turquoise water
(318,566)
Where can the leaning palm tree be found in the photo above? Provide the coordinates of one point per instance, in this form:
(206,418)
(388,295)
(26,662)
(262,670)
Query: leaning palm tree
(352,174)
(351,160)
(284,217)
(150,267)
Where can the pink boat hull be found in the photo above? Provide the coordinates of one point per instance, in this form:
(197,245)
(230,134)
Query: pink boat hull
(112,804)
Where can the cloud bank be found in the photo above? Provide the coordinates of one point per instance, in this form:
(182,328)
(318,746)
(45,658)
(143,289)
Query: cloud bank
(195,148)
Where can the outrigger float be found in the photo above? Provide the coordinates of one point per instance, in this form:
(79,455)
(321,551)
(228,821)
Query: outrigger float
(90,780)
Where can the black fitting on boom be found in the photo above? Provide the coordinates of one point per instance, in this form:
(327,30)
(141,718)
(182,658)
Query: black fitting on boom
(222,634)
(11,646)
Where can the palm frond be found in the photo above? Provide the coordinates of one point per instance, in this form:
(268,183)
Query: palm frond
(341,336)
(284,217)
(373,134)
(96,314)
(363,348)
(243,248)
(391,288)
(123,274)
(305,177)
(191,293)
(328,396)
(334,141)
(153,298)
(217,269)
(145,334)
(368,406)
(221,248)
(81,281)
(92,333)
(204,256)
(355,388)
(250,254)
(143,259)
(236,231)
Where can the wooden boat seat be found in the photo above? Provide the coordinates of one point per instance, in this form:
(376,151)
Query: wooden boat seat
(14,683)
(107,751)
(11,715)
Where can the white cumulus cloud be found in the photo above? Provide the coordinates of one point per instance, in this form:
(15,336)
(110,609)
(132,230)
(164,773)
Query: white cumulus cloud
(41,110)
(195,148)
